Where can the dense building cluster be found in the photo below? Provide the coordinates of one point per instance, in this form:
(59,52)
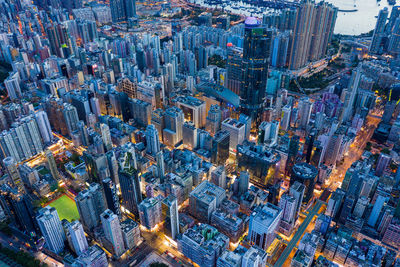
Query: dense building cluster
(129,136)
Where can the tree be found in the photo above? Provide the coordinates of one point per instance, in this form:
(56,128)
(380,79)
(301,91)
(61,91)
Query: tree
(158,264)
(4,228)
(217,60)
(44,200)
(393,166)
(75,158)
(62,190)
(368,146)
(21,257)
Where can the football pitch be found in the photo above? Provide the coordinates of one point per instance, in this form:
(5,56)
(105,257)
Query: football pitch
(66,208)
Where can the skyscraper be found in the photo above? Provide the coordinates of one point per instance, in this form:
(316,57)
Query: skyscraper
(306,174)
(51,164)
(122,10)
(376,210)
(382,164)
(244,179)
(130,233)
(264,223)
(256,46)
(90,204)
(130,8)
(288,205)
(152,140)
(78,238)
(190,135)
(220,148)
(44,126)
(110,193)
(13,173)
(130,189)
(150,212)
(174,119)
(297,191)
(294,145)
(117,10)
(351,93)
(21,207)
(59,39)
(268,133)
(313,30)
(237,132)
(169,208)
(106,136)
(218,176)
(394,39)
(71,118)
(213,120)
(112,231)
(234,68)
(285,118)
(305,108)
(302,35)
(379,31)
(160,165)
(51,228)
(12,84)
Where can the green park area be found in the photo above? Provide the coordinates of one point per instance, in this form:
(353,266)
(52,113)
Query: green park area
(66,208)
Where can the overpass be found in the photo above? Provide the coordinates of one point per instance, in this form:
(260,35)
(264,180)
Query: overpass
(299,233)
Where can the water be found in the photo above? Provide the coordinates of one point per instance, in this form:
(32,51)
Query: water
(351,23)
(362,21)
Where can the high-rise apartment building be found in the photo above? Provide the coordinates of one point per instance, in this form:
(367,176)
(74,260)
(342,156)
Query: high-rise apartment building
(130,233)
(112,231)
(78,237)
(51,228)
(12,84)
(122,10)
(90,204)
(379,31)
(13,173)
(44,126)
(150,212)
(51,164)
(313,30)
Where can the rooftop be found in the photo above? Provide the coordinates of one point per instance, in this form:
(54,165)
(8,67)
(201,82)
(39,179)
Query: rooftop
(266,214)
(189,100)
(233,123)
(305,170)
(207,192)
